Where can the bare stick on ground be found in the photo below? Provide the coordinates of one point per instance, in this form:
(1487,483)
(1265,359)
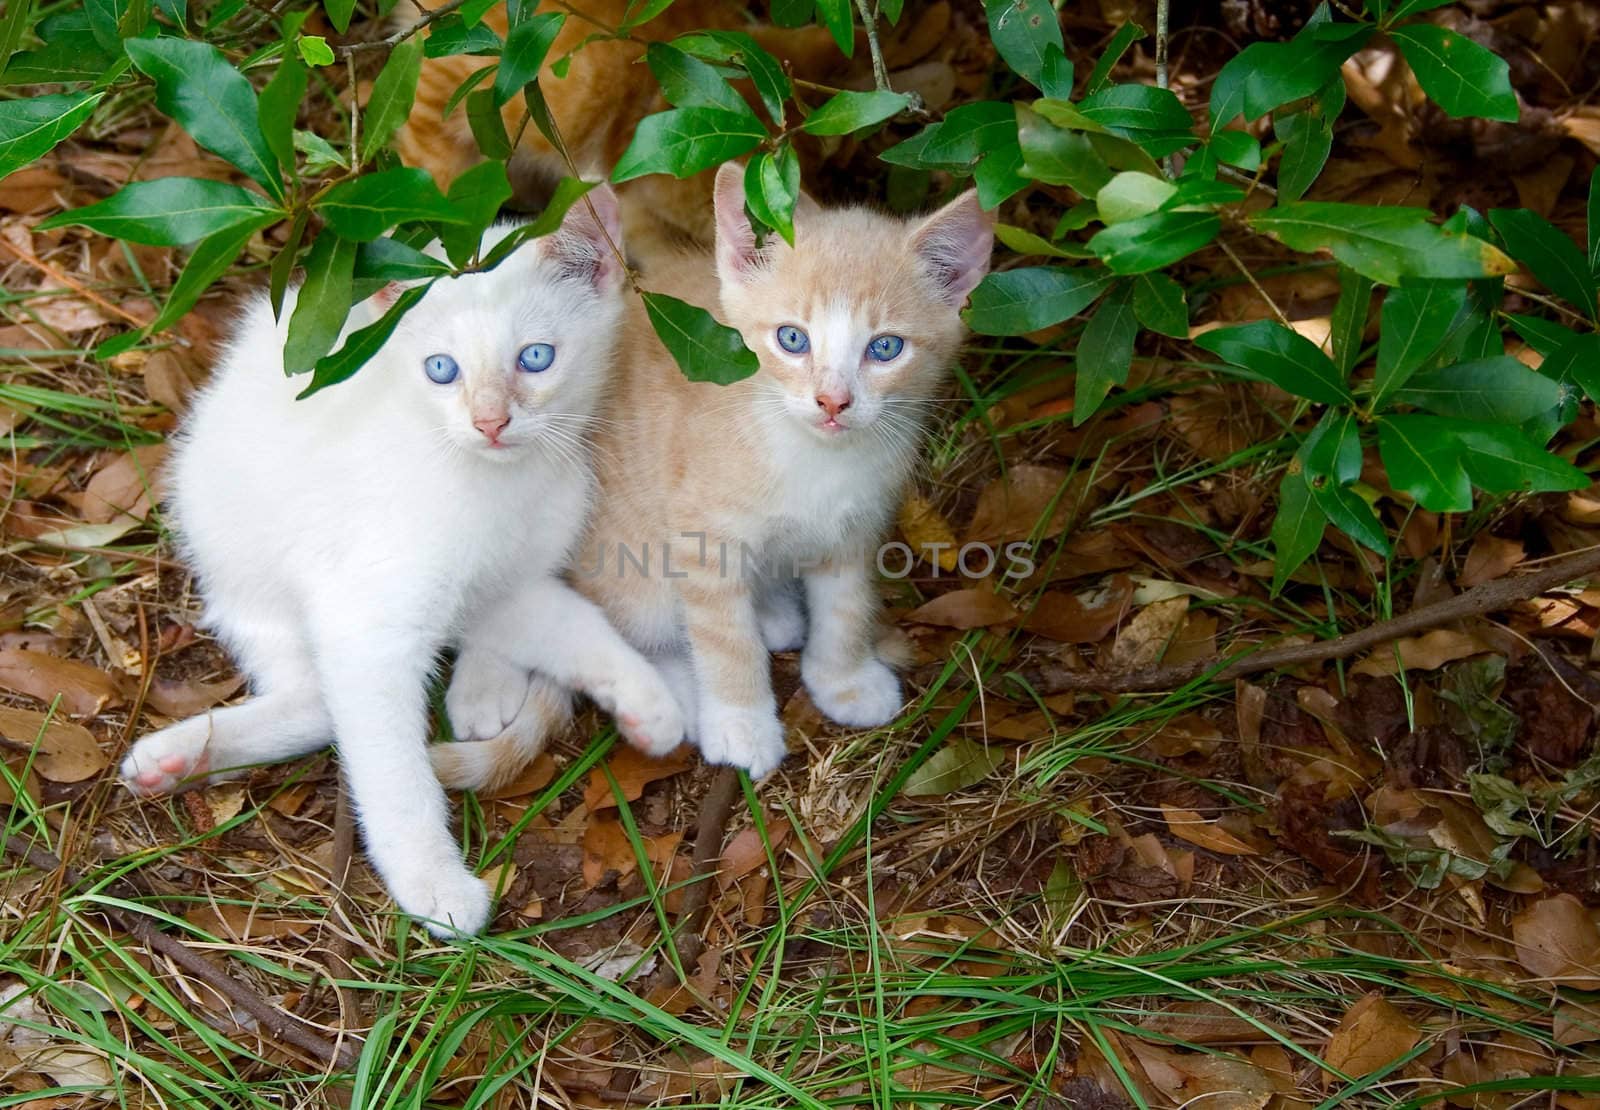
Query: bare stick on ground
(273,1021)
(715,811)
(1475,602)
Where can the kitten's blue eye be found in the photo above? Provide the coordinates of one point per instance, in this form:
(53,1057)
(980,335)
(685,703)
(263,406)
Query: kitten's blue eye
(793,340)
(886,348)
(440,368)
(536,357)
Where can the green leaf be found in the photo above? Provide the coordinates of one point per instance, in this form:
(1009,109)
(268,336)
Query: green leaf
(847,112)
(958,141)
(1347,512)
(393,93)
(168,212)
(1498,390)
(1349,322)
(115,20)
(452,35)
(196,86)
(765,71)
(526,46)
(1297,529)
(1057,156)
(14,24)
(314,50)
(1129,195)
(1503,460)
(1457,74)
(1015,302)
(1281,356)
(69,53)
(339,12)
(687,82)
(391,260)
(1026,243)
(488,125)
(1580,356)
(477,195)
(1333,449)
(1155,241)
(207,262)
(1594,221)
(360,345)
(1544,336)
(704,350)
(1237,148)
(30,127)
(283,261)
(1387,245)
(643,11)
(1552,257)
(1159,303)
(839,18)
(1419,463)
(279,104)
(1022,31)
(961,763)
(1124,37)
(320,155)
(772,188)
(1307,139)
(685,141)
(1105,351)
(322,304)
(568,191)
(1055,77)
(1415,320)
(1264,76)
(1153,118)
(368,206)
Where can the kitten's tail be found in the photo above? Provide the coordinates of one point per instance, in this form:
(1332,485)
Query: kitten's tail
(489,765)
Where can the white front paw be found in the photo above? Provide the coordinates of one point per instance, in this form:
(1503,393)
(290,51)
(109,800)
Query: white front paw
(163,761)
(647,712)
(485,694)
(865,696)
(749,737)
(446,898)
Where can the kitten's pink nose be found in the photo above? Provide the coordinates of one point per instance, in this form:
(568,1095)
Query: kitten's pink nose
(833,403)
(491,426)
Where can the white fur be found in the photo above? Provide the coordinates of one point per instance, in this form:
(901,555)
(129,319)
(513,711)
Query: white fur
(342,541)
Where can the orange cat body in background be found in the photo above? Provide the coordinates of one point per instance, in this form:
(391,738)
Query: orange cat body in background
(597,105)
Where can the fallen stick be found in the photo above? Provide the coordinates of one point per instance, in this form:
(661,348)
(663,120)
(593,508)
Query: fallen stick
(1475,602)
(275,1021)
(715,811)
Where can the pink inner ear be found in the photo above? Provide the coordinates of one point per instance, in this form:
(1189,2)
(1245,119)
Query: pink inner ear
(736,239)
(588,241)
(955,243)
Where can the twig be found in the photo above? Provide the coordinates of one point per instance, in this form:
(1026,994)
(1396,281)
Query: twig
(27,256)
(275,1021)
(339,948)
(1486,598)
(869,20)
(394,40)
(1162,7)
(1254,284)
(709,834)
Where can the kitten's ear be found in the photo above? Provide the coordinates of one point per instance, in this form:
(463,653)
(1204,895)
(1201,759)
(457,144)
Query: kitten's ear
(590,238)
(737,254)
(954,245)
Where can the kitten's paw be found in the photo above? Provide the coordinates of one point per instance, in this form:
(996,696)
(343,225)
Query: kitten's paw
(165,760)
(861,697)
(484,696)
(446,899)
(782,620)
(648,714)
(742,736)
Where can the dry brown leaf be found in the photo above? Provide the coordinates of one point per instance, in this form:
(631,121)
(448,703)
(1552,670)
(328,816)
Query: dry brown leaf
(927,531)
(1427,652)
(242,924)
(84,691)
(1085,618)
(169,380)
(1201,1021)
(1010,508)
(1576,1023)
(535,776)
(67,313)
(1489,558)
(32,189)
(65,752)
(1146,636)
(1557,940)
(972,608)
(123,486)
(606,848)
(633,771)
(746,852)
(1196,640)
(1371,1035)
(1218,1080)
(186,697)
(1186,824)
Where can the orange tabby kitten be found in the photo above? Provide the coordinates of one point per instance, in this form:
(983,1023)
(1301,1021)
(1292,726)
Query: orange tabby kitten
(606,92)
(738,519)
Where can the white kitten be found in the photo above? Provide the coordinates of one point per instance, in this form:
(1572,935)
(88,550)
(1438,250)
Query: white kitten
(340,542)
